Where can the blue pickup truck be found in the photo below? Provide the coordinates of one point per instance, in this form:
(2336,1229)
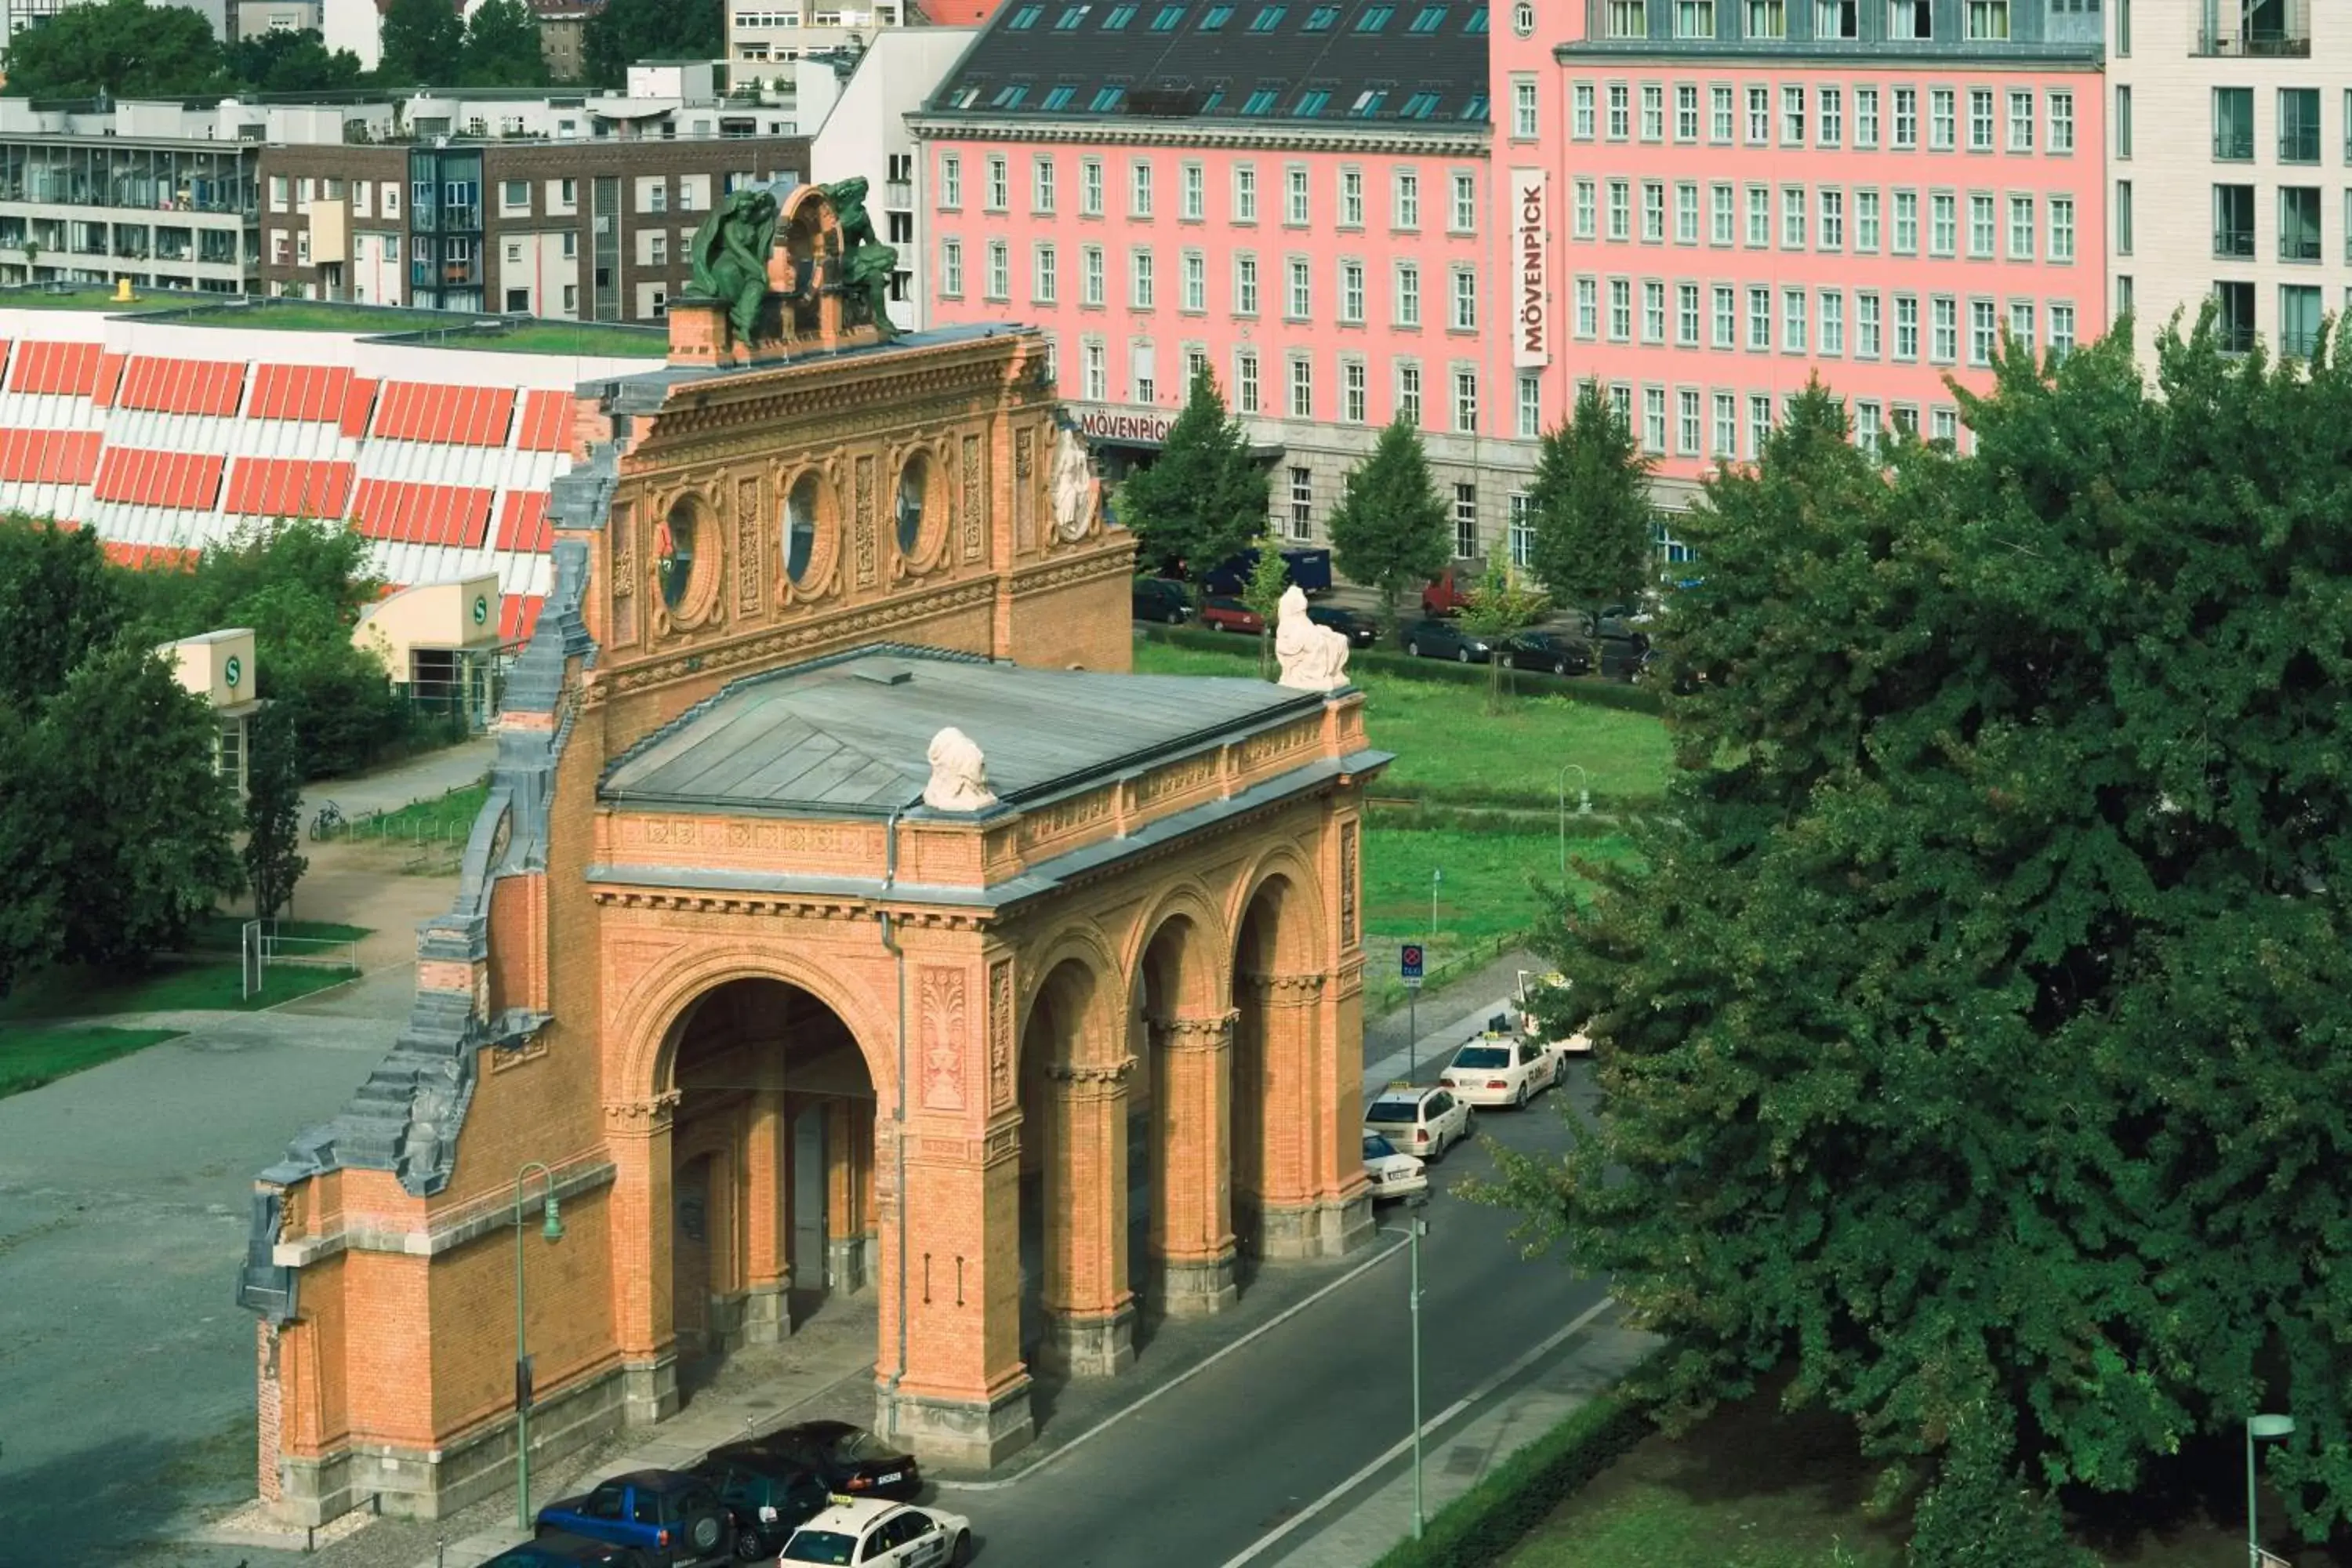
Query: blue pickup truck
(669,1518)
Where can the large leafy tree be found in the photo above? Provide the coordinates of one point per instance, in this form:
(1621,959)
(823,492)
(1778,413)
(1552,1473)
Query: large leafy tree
(287,61)
(1976,1042)
(1269,578)
(58,600)
(501,48)
(1589,505)
(424,44)
(626,31)
(1499,606)
(1389,531)
(274,861)
(123,47)
(1203,498)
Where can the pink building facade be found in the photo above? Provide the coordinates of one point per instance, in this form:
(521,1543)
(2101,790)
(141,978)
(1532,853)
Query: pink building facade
(1704,222)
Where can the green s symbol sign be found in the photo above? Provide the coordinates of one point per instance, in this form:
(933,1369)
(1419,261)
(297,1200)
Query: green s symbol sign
(233,671)
(481,609)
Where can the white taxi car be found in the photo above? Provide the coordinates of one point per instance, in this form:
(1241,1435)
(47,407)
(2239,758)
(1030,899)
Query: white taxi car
(1423,1119)
(1395,1174)
(1501,1070)
(870,1531)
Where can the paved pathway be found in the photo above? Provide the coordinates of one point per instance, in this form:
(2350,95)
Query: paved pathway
(426,776)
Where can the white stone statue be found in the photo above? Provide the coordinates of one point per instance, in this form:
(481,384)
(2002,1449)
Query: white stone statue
(1313,657)
(959,774)
(1074,487)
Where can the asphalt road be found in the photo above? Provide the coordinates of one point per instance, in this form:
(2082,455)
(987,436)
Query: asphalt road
(1207,1469)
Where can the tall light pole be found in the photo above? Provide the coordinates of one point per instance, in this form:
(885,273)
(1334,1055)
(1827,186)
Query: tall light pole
(1436,876)
(1583,807)
(2262,1426)
(551,1228)
(1416,1228)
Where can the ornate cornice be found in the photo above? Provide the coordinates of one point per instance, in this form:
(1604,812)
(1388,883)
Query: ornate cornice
(1368,139)
(699,412)
(1105,560)
(1182,1034)
(1285,989)
(1097,1073)
(641,1118)
(781,905)
(763,647)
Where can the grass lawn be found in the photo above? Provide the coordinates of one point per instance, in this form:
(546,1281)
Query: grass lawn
(78,991)
(1754,1486)
(31,1057)
(1486,892)
(226,933)
(450,817)
(1452,751)
(548,338)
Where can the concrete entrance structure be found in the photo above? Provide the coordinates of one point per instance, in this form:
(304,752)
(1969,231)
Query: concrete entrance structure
(774,1024)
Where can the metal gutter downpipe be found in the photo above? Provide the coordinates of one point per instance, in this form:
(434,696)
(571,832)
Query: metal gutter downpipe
(899,1110)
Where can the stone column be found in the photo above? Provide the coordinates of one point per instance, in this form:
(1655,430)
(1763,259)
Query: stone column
(1089,1309)
(767,1265)
(1195,1122)
(962,1397)
(848,1184)
(637,1135)
(1303,1193)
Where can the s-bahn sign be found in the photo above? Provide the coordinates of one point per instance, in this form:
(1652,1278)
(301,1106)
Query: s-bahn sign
(1530,269)
(1116,424)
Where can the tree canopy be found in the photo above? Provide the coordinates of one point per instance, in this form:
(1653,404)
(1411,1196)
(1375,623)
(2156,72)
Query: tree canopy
(282,61)
(1590,507)
(1976,1042)
(125,49)
(1203,498)
(1390,530)
(424,44)
(1499,606)
(626,31)
(501,48)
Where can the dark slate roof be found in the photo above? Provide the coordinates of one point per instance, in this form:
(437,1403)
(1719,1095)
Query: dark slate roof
(850,734)
(1337,63)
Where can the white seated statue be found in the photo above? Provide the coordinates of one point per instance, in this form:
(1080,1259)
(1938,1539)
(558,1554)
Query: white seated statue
(1313,657)
(959,774)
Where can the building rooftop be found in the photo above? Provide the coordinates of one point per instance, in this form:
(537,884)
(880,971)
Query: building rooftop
(420,329)
(1355,64)
(850,734)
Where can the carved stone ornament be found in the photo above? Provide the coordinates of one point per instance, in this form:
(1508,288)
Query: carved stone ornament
(1074,485)
(959,774)
(1313,657)
(641,1118)
(1091,1072)
(943,1015)
(1196,1034)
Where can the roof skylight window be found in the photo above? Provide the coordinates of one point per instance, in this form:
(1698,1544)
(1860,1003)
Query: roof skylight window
(1321,19)
(1009,97)
(1169,16)
(1025,18)
(1108,98)
(1120,15)
(1262,101)
(1419,106)
(1373,20)
(1059,98)
(1477,22)
(1311,104)
(1428,19)
(1367,102)
(1475,110)
(1070,17)
(1214,18)
(1268,18)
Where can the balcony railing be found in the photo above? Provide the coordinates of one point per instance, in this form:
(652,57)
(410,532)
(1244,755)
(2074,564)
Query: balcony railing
(2299,248)
(2275,29)
(2233,242)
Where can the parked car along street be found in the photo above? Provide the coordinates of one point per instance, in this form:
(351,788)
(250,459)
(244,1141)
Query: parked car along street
(769,1496)
(862,1531)
(1497,1069)
(1419,1120)
(1394,1174)
(1559,652)
(668,1518)
(1160,599)
(1226,613)
(561,1550)
(1358,628)
(847,1458)
(1436,638)
(1445,594)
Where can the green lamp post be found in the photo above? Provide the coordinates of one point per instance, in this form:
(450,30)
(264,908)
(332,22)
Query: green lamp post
(2265,1428)
(552,1227)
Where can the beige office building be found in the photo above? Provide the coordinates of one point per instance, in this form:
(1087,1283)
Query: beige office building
(2230,157)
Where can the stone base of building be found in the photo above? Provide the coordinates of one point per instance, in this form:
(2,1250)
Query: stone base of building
(1315,1230)
(432,1483)
(767,1316)
(846,1261)
(1197,1288)
(649,1389)
(1089,1344)
(962,1434)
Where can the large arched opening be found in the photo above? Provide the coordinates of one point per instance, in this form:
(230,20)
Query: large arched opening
(1182,1247)
(1077,1310)
(1277,987)
(771,1170)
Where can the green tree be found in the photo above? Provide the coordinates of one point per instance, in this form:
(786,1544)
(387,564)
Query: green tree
(145,842)
(277,61)
(1974,1043)
(1499,606)
(424,44)
(501,48)
(35,818)
(627,31)
(58,599)
(1203,498)
(126,49)
(1389,531)
(1269,576)
(274,861)
(1589,505)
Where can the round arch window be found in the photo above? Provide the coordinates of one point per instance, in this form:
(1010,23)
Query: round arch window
(800,527)
(914,484)
(1523,17)
(674,551)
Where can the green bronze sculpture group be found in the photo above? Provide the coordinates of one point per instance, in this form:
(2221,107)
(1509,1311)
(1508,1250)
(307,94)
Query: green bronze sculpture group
(732,247)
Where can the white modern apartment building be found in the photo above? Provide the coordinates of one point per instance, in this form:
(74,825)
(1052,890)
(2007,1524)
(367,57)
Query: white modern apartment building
(765,36)
(2230,164)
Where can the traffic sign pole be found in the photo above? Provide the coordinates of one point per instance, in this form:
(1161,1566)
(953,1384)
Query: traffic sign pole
(1409,965)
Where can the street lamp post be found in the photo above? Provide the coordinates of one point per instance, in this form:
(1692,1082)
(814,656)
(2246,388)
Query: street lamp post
(1583,807)
(551,1228)
(1416,1228)
(1436,876)
(2266,1427)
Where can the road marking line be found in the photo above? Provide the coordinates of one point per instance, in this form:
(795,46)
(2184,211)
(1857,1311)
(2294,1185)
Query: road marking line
(1404,1446)
(1182,1378)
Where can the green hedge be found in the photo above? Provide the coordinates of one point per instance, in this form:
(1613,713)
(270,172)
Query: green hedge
(1479,1527)
(1520,682)
(1410,816)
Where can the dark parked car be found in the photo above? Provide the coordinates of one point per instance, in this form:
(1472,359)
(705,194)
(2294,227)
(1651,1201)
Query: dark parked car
(769,1495)
(1624,658)
(1230,614)
(1358,628)
(848,1459)
(1556,651)
(1160,599)
(1437,638)
(667,1517)
(1618,621)
(560,1551)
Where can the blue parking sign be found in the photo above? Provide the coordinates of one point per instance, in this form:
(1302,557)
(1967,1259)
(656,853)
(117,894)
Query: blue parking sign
(1408,962)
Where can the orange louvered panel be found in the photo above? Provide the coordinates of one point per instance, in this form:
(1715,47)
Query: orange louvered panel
(454,416)
(104,385)
(312,392)
(289,487)
(359,399)
(522,521)
(57,369)
(517,616)
(182,481)
(546,422)
(48,456)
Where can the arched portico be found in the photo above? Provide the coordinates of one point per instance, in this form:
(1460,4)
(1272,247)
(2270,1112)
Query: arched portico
(1184,1025)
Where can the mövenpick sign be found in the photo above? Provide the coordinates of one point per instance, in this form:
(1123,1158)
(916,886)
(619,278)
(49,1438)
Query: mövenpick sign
(1531,247)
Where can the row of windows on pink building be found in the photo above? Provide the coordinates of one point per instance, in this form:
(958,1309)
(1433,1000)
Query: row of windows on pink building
(1429,210)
